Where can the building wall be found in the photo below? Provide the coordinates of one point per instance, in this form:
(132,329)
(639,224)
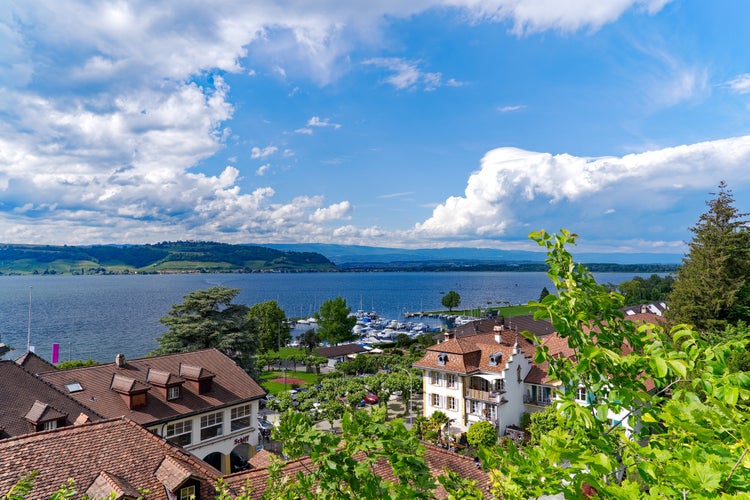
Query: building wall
(243,439)
(510,413)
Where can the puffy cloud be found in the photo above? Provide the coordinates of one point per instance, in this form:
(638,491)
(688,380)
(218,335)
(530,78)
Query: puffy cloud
(406,75)
(740,84)
(263,169)
(103,140)
(256,152)
(332,212)
(503,197)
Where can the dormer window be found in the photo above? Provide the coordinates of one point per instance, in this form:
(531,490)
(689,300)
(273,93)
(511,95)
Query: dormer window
(42,417)
(132,391)
(199,377)
(496,359)
(173,393)
(168,384)
(442,359)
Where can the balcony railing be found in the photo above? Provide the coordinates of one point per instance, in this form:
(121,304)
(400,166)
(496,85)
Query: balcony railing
(491,396)
(537,402)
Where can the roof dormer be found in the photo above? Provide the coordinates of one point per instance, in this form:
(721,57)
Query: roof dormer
(496,358)
(132,391)
(199,377)
(43,417)
(168,384)
(442,359)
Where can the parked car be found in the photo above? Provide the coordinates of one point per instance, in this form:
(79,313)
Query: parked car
(371,399)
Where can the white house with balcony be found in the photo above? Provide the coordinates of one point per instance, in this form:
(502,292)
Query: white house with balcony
(477,377)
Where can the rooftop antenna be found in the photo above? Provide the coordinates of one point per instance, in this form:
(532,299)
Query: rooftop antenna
(28,338)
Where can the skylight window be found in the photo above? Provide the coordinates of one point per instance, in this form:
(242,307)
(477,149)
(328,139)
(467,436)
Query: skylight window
(74,387)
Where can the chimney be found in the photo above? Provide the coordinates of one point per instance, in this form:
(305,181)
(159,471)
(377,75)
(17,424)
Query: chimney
(498,337)
(644,309)
(120,361)
(447,335)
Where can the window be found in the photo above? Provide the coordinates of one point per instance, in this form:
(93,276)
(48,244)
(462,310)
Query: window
(49,425)
(581,394)
(74,387)
(211,425)
(500,385)
(452,403)
(188,492)
(491,411)
(180,433)
(436,378)
(451,380)
(474,407)
(241,417)
(436,400)
(173,392)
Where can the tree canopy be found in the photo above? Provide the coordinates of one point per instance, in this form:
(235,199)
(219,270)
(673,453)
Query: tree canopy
(208,318)
(666,417)
(712,287)
(450,300)
(272,326)
(334,322)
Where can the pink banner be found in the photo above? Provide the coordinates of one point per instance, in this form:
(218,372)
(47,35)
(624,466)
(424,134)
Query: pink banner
(55,353)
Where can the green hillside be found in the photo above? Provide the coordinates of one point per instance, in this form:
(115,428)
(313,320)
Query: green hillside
(166,257)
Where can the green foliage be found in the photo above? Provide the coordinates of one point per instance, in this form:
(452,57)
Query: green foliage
(712,287)
(272,328)
(309,339)
(450,300)
(481,434)
(360,365)
(690,438)
(542,423)
(543,294)
(639,290)
(338,475)
(207,318)
(334,323)
(75,363)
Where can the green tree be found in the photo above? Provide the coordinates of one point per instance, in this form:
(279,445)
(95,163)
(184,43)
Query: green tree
(543,294)
(208,318)
(712,287)
(75,363)
(542,423)
(272,326)
(481,434)
(334,322)
(690,434)
(450,300)
(309,339)
(639,290)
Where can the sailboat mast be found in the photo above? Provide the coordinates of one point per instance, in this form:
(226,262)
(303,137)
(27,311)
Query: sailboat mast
(28,339)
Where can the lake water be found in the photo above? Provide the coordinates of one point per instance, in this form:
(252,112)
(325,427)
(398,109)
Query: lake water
(99,316)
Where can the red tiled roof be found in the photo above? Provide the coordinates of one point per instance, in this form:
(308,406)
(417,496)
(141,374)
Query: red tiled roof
(34,363)
(112,455)
(26,391)
(472,353)
(230,385)
(437,460)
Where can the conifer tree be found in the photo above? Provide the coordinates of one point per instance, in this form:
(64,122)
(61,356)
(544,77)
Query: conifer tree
(712,288)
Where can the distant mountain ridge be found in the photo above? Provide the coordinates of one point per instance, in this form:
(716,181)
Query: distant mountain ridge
(166,257)
(351,255)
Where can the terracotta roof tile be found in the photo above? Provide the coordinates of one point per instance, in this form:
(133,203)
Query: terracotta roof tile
(230,385)
(34,363)
(107,484)
(437,460)
(162,378)
(42,412)
(126,452)
(24,389)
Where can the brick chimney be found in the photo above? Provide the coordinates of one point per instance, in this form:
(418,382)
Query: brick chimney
(498,336)
(120,361)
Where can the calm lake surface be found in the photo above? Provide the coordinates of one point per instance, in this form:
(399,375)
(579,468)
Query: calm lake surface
(99,316)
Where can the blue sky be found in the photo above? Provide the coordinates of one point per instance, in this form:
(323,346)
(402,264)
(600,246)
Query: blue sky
(402,124)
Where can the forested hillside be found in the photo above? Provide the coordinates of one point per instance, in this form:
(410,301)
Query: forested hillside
(179,256)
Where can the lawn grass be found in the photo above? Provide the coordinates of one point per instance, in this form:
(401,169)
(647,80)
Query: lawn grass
(505,311)
(271,387)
